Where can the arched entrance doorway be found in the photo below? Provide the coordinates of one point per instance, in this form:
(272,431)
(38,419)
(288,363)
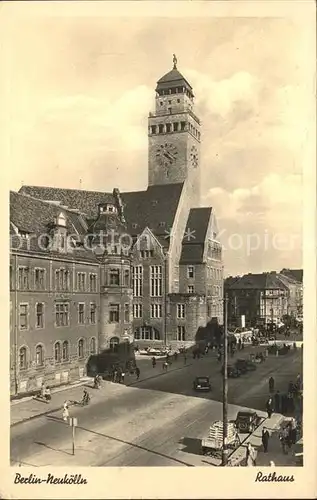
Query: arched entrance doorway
(146,333)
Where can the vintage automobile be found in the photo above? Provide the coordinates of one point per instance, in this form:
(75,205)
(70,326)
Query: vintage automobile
(247,421)
(250,365)
(241,364)
(201,384)
(232,371)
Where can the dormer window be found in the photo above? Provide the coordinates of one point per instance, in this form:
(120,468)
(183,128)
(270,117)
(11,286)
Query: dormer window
(61,220)
(24,235)
(107,208)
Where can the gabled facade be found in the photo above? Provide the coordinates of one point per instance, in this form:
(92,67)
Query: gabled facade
(156,254)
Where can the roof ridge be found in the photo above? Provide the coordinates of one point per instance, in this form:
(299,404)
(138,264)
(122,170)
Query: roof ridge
(62,189)
(56,204)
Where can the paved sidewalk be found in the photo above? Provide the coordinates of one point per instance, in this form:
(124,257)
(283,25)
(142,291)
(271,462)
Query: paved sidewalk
(255,439)
(275,452)
(29,408)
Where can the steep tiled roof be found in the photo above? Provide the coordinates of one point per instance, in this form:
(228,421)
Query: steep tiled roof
(34,216)
(230,280)
(296,274)
(195,235)
(85,201)
(264,281)
(154,208)
(173,78)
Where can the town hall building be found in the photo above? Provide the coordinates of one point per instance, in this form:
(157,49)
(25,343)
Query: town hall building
(90,270)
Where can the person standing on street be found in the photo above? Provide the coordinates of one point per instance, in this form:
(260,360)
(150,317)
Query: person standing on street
(250,456)
(277,402)
(265,439)
(271,384)
(65,411)
(137,372)
(269,407)
(283,439)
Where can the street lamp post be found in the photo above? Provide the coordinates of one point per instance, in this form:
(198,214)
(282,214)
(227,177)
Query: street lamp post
(225,387)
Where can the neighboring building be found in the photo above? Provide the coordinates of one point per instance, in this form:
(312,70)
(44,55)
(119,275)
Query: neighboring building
(162,277)
(54,295)
(295,274)
(261,298)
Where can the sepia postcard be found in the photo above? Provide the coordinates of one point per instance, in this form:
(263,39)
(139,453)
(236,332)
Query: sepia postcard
(159,221)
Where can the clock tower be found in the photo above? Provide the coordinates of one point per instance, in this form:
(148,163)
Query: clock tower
(174,134)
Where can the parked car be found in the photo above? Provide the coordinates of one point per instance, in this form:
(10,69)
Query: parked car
(232,371)
(202,384)
(247,421)
(241,364)
(250,365)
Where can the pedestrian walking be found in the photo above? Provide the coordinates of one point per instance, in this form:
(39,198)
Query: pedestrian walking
(283,437)
(277,402)
(122,377)
(250,456)
(153,362)
(293,431)
(47,394)
(185,359)
(242,345)
(137,372)
(269,407)
(265,439)
(239,344)
(65,411)
(165,366)
(42,394)
(271,384)
(115,375)
(175,356)
(272,464)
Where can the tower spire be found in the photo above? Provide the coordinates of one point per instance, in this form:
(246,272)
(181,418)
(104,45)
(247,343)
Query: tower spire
(174,61)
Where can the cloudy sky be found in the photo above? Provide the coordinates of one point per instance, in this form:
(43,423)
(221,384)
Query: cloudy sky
(78,94)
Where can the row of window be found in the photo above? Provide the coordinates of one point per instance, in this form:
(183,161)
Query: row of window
(38,280)
(156,311)
(166,128)
(62,317)
(174,90)
(149,333)
(60,352)
(156,281)
(214,273)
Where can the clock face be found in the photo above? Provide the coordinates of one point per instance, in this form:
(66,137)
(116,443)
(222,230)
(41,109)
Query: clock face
(194,156)
(166,155)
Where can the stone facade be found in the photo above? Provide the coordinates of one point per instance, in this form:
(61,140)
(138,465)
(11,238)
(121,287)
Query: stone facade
(146,292)
(38,351)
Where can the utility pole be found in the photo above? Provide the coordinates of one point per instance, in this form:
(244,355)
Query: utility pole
(225,387)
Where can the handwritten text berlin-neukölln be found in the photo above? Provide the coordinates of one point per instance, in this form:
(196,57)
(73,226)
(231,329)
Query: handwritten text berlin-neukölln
(50,479)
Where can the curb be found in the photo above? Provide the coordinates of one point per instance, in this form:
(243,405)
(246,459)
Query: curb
(54,410)
(55,390)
